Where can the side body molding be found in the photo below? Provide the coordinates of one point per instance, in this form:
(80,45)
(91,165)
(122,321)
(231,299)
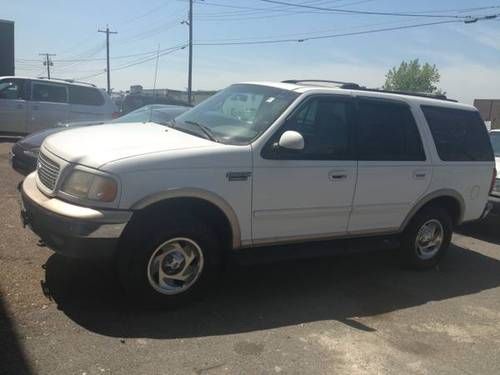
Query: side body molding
(447,193)
(205,195)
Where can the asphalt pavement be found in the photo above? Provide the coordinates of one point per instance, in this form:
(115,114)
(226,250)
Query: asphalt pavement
(359,314)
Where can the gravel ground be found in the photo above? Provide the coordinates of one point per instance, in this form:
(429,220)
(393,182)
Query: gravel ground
(342,315)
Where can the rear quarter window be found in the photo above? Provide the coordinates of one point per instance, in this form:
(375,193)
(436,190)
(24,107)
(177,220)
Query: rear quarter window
(85,96)
(459,135)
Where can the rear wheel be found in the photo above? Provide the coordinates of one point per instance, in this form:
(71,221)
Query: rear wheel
(426,238)
(169,262)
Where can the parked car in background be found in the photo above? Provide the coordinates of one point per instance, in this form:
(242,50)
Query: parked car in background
(131,102)
(24,153)
(29,104)
(262,164)
(495,193)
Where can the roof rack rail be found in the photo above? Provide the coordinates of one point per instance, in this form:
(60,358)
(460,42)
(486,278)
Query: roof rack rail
(343,85)
(355,86)
(409,93)
(68,80)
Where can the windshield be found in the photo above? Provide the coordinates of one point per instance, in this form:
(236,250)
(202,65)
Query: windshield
(495,142)
(153,113)
(237,114)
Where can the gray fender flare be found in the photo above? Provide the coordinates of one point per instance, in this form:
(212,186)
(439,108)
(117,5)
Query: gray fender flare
(205,195)
(450,193)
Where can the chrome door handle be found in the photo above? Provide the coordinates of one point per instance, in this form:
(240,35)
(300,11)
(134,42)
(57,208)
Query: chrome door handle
(419,175)
(337,175)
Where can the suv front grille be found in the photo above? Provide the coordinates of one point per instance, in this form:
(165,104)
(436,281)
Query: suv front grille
(48,171)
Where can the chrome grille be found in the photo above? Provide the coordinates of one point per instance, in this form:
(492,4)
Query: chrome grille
(48,171)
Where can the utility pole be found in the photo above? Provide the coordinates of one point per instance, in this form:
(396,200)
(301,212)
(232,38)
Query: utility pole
(48,62)
(156,70)
(189,22)
(107,31)
(190,68)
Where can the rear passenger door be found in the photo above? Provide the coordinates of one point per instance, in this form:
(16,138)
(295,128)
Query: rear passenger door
(86,104)
(393,171)
(48,105)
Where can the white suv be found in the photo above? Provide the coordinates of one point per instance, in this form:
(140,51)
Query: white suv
(260,164)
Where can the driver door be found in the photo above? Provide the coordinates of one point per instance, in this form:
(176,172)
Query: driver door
(307,194)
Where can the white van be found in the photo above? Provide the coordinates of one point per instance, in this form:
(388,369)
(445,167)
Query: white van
(28,104)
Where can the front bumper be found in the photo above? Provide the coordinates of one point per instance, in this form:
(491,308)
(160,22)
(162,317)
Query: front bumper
(68,229)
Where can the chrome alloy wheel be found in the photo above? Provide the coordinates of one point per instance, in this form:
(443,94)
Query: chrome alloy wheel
(429,239)
(175,266)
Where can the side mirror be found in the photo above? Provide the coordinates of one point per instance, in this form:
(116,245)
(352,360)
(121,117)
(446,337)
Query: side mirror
(291,140)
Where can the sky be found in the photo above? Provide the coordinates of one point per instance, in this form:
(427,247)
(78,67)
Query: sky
(467,55)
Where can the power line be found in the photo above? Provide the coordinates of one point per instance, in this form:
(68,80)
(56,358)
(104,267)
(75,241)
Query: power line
(31,62)
(165,52)
(252,11)
(364,12)
(280,12)
(337,35)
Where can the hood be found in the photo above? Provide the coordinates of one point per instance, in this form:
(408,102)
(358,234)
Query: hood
(97,145)
(83,123)
(35,140)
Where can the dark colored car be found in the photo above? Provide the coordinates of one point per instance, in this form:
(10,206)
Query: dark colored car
(132,102)
(24,153)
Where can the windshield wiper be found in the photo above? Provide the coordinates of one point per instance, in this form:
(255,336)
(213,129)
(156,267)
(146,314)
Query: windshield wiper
(205,129)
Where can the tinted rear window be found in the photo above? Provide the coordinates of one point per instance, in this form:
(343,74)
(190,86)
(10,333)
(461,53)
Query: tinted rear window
(459,135)
(85,96)
(387,131)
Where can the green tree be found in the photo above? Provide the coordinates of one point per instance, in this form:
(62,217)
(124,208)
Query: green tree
(414,77)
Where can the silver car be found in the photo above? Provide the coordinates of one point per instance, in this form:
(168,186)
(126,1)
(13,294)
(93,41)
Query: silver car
(28,104)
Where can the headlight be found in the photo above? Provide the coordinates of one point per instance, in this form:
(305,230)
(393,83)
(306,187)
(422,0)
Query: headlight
(90,186)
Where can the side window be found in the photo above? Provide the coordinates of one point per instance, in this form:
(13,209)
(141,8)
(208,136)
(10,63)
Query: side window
(387,131)
(459,135)
(49,93)
(12,89)
(85,96)
(325,125)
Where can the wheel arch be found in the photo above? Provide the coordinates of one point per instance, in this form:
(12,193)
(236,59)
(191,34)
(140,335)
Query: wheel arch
(193,195)
(450,199)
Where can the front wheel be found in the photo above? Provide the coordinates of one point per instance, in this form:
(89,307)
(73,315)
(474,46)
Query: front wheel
(170,262)
(426,239)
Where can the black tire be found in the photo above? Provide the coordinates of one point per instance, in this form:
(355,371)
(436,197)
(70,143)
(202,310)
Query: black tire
(409,254)
(143,239)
